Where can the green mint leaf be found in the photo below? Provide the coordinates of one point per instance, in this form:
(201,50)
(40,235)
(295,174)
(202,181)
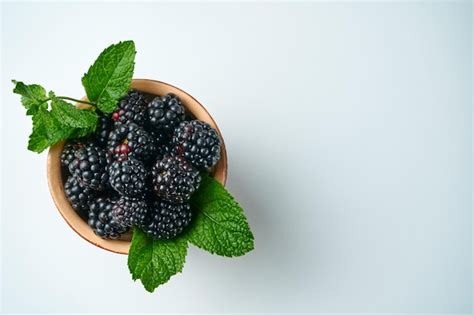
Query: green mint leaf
(79,133)
(47,130)
(72,116)
(154,262)
(109,78)
(32,96)
(220,225)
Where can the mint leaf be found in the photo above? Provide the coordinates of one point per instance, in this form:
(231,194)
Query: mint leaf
(72,116)
(47,130)
(220,225)
(109,78)
(78,133)
(49,127)
(32,96)
(154,262)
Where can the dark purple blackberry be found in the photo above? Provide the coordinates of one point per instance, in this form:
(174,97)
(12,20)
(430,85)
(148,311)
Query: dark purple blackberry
(198,142)
(128,177)
(165,113)
(90,167)
(167,220)
(79,196)
(174,179)
(104,126)
(131,108)
(132,140)
(129,211)
(69,152)
(101,220)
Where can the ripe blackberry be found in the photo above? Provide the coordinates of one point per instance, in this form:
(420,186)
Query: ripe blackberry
(129,211)
(174,179)
(131,108)
(79,196)
(69,152)
(90,167)
(104,126)
(101,220)
(165,113)
(198,142)
(167,220)
(128,177)
(132,140)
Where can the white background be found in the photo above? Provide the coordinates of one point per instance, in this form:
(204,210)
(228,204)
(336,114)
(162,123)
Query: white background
(348,128)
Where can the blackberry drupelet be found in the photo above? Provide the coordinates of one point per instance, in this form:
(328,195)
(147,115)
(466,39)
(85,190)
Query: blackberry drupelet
(131,108)
(129,211)
(198,142)
(167,220)
(128,177)
(164,113)
(101,220)
(132,140)
(79,196)
(90,167)
(174,179)
(102,131)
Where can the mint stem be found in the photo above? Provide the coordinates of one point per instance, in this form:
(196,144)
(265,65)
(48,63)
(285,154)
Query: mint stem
(74,100)
(70,99)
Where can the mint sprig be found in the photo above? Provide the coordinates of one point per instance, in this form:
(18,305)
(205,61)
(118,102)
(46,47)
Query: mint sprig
(219,227)
(55,119)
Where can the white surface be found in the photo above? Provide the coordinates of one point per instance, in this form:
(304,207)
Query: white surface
(348,128)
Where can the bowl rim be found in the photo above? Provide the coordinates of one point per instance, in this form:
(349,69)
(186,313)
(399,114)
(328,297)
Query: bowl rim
(56,187)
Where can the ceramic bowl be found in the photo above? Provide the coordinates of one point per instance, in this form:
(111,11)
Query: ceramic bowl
(56,176)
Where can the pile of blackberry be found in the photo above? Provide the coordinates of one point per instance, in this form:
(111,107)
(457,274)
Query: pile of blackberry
(140,167)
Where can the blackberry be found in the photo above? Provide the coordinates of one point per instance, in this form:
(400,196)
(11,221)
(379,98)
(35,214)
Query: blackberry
(90,167)
(165,113)
(167,220)
(101,220)
(69,152)
(129,211)
(174,179)
(104,126)
(198,142)
(131,108)
(79,196)
(132,140)
(128,177)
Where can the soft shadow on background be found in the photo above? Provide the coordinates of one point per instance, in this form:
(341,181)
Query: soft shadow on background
(348,128)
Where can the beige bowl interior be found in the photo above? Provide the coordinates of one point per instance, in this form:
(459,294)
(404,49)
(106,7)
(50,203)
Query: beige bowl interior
(56,182)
